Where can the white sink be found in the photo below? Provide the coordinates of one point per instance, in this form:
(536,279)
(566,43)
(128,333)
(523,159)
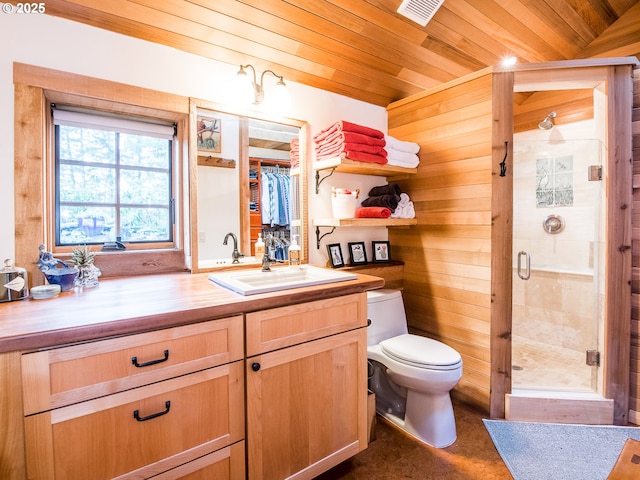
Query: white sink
(251,282)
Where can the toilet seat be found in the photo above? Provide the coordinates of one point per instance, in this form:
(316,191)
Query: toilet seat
(421,352)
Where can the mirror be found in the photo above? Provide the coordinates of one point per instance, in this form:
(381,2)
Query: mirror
(236,161)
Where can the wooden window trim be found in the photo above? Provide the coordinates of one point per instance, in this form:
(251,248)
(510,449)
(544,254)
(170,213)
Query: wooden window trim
(35,89)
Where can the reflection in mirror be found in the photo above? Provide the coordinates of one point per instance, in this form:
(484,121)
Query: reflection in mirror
(273,185)
(247,180)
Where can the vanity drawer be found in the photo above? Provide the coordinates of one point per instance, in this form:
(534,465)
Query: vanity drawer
(281,327)
(62,376)
(226,463)
(140,432)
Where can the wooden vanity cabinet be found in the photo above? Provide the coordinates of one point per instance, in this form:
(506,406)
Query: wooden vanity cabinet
(306,380)
(168,404)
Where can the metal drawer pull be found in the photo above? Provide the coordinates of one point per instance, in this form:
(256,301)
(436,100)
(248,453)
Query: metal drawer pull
(137,416)
(134,360)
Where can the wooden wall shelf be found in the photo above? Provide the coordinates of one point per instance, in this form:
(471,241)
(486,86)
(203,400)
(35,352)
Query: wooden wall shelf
(364,222)
(210,161)
(344,165)
(333,223)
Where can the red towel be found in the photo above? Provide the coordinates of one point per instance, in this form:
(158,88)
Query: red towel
(365,157)
(343,126)
(294,152)
(373,212)
(336,150)
(351,137)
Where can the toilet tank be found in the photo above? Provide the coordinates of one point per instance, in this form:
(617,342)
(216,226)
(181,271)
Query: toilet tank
(385,309)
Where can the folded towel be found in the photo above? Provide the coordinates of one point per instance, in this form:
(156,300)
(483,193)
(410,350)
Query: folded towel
(408,211)
(365,157)
(402,159)
(294,152)
(373,212)
(404,200)
(405,208)
(336,149)
(338,138)
(410,147)
(343,126)
(390,189)
(389,201)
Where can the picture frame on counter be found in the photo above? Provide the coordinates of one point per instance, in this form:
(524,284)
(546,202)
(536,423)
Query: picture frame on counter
(357,253)
(381,251)
(335,255)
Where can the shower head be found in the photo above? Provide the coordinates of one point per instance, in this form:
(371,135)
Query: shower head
(547,123)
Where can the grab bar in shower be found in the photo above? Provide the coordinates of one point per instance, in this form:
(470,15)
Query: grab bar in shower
(527,272)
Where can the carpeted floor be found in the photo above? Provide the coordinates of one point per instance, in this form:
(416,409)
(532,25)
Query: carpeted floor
(534,451)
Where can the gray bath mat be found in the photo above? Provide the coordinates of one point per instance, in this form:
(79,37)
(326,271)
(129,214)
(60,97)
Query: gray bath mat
(535,451)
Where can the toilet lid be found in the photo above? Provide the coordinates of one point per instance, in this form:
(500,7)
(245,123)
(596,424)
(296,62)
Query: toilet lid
(421,352)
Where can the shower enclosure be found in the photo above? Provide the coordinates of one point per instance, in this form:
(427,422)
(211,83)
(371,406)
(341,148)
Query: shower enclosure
(559,216)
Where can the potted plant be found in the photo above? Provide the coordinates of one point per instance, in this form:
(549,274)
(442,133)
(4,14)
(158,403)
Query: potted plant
(83,258)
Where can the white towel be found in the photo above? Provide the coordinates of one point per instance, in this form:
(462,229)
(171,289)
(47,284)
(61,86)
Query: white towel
(402,159)
(405,208)
(410,147)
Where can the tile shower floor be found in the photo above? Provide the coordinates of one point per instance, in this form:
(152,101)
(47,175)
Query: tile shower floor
(540,366)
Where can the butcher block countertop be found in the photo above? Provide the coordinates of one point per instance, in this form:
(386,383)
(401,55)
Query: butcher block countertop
(143,303)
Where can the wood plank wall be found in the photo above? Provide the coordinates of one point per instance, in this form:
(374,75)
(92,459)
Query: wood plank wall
(634,391)
(447,273)
(447,255)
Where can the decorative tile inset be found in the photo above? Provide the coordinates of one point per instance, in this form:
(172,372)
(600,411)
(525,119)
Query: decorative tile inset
(554,182)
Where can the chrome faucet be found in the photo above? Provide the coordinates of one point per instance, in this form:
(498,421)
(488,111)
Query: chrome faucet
(236,254)
(269,243)
(266,259)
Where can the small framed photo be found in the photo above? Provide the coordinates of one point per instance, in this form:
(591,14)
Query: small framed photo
(335,255)
(357,253)
(381,252)
(209,134)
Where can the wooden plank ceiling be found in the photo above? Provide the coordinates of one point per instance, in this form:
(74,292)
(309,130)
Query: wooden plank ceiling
(359,48)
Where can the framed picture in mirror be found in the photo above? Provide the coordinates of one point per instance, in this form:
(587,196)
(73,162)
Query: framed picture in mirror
(381,252)
(209,134)
(335,255)
(357,253)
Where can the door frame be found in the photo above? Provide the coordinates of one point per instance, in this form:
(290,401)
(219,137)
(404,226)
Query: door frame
(612,78)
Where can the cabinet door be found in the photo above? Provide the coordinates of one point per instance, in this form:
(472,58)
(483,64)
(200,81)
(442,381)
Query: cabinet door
(286,326)
(140,432)
(307,406)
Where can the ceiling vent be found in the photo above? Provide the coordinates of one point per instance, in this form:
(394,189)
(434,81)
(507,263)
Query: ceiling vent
(420,11)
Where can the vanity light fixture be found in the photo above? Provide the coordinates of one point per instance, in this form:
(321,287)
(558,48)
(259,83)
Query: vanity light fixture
(254,92)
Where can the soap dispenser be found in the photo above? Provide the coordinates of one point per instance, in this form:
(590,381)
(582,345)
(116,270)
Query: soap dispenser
(259,247)
(294,251)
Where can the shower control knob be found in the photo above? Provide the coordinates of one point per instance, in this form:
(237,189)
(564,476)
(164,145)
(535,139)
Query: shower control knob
(255,366)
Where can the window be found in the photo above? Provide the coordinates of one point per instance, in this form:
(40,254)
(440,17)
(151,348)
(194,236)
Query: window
(113,180)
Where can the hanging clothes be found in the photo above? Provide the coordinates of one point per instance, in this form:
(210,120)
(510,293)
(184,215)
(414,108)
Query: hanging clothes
(275,198)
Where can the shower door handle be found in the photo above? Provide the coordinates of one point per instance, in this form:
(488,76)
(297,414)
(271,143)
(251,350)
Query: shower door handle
(527,268)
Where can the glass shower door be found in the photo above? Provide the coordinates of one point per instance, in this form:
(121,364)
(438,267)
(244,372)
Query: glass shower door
(558,291)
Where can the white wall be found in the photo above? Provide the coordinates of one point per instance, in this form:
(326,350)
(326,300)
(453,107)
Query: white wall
(60,44)
(218,194)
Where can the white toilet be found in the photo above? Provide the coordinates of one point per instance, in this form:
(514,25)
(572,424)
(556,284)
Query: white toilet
(411,375)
